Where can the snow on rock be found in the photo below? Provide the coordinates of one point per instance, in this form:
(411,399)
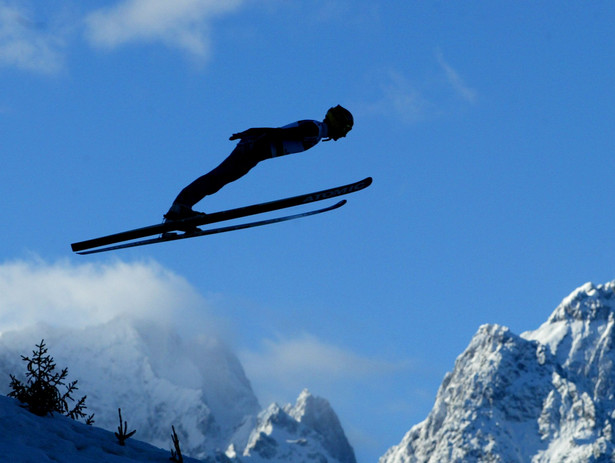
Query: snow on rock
(580,334)
(544,396)
(316,413)
(487,407)
(309,431)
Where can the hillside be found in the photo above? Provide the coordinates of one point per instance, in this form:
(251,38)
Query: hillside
(27,438)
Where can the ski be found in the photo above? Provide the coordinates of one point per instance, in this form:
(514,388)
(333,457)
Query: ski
(173,236)
(187,224)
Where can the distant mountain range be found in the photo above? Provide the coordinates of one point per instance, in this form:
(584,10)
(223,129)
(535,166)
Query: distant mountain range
(543,396)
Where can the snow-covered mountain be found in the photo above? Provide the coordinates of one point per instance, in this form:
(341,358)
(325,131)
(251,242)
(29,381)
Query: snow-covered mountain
(307,431)
(199,387)
(545,396)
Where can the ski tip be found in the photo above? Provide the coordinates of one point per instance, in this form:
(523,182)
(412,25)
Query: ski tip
(360,185)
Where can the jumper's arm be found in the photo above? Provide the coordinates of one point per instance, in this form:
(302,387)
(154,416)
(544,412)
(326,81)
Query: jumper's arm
(305,129)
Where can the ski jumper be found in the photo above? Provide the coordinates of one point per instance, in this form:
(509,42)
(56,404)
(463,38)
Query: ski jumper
(255,145)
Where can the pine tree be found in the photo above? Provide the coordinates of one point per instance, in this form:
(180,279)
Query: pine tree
(176,454)
(122,433)
(41,391)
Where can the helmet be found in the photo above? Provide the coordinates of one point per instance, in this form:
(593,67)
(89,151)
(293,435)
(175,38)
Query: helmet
(340,121)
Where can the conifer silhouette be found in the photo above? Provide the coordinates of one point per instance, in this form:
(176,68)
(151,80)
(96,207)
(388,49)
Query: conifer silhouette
(41,391)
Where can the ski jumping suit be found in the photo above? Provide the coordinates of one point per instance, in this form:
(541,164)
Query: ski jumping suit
(255,145)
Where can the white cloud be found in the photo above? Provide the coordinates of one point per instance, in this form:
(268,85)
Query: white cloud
(456,82)
(285,366)
(34,36)
(182,24)
(64,294)
(398,96)
(411,100)
(404,98)
(27,46)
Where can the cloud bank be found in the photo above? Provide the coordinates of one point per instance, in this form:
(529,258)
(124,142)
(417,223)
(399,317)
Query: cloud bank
(36,294)
(71,295)
(62,294)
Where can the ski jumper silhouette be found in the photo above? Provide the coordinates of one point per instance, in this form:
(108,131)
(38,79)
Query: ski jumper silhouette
(256,145)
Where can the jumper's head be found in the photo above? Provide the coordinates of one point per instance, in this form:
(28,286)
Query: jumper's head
(340,122)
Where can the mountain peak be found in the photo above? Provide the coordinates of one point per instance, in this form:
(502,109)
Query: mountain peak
(317,414)
(547,395)
(588,302)
(580,334)
(308,430)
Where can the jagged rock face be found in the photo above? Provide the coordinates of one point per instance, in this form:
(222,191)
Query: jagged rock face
(545,396)
(309,431)
(579,413)
(492,398)
(580,333)
(316,414)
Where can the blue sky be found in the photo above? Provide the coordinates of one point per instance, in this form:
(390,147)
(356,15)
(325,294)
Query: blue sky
(488,128)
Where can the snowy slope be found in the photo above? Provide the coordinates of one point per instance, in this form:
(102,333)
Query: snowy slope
(27,438)
(545,396)
(200,387)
